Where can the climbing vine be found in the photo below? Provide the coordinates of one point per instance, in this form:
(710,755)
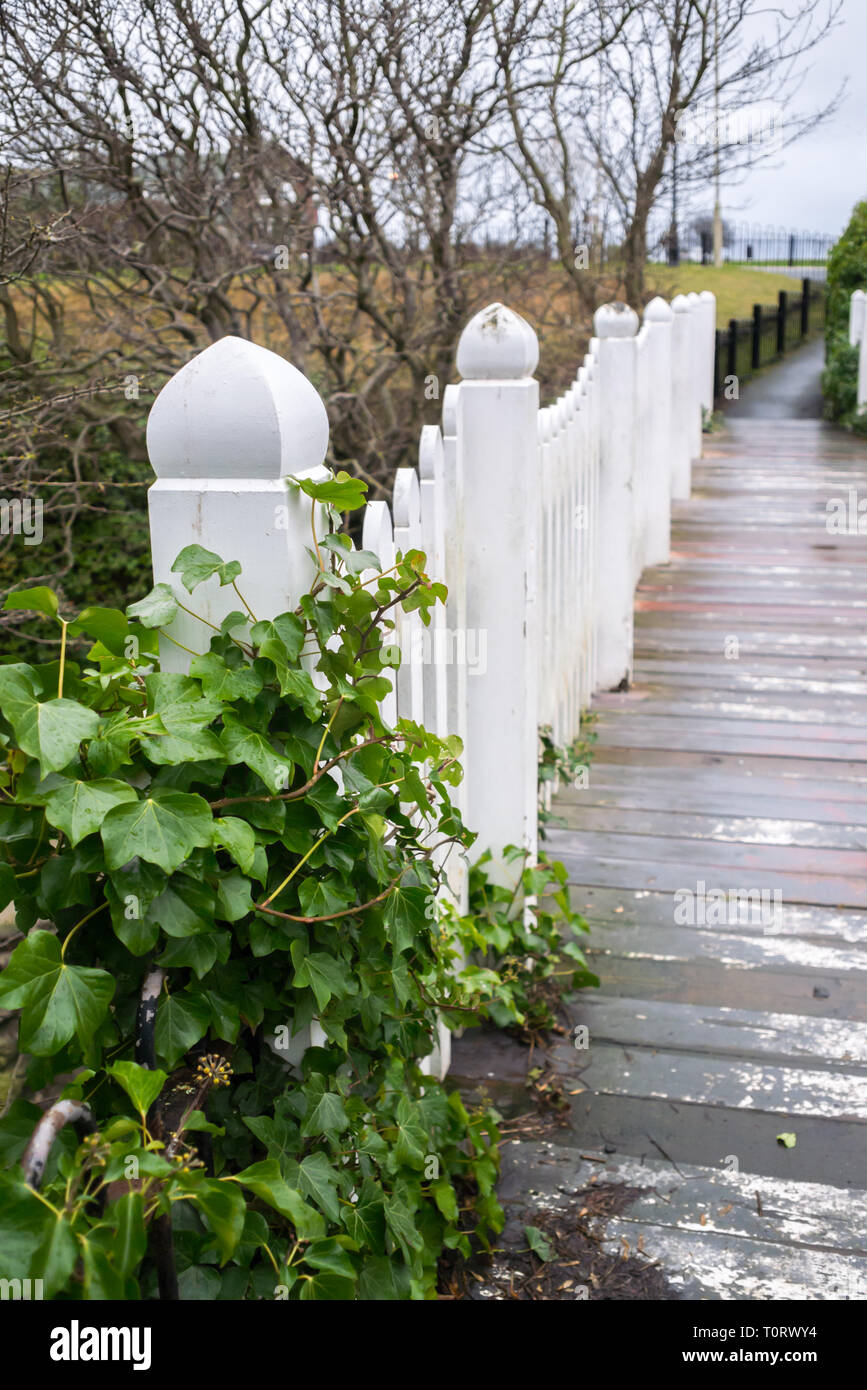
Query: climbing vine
(205,865)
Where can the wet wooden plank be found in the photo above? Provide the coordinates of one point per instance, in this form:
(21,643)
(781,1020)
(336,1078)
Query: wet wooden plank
(671,876)
(590,812)
(759,950)
(694,1198)
(651,910)
(707,1041)
(726,1083)
(752,861)
(757,1034)
(851,777)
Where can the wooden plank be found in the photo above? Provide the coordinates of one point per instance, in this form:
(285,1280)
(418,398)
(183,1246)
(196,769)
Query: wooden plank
(652,910)
(592,812)
(745,859)
(695,1199)
(722,1032)
(671,876)
(731,1084)
(757,950)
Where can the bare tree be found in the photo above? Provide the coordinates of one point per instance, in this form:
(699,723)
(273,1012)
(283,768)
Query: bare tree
(718,80)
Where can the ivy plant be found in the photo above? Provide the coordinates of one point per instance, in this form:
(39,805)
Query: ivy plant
(519,943)
(205,866)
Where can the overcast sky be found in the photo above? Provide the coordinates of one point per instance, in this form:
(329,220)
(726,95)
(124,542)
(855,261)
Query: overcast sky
(814,185)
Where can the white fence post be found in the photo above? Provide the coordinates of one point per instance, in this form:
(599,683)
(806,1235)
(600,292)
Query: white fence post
(658,320)
(497,412)
(681,398)
(707,299)
(857,305)
(615,326)
(858,336)
(698,360)
(223,435)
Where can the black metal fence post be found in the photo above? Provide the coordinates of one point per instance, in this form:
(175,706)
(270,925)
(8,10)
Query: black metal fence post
(782,309)
(757,337)
(732,364)
(805,307)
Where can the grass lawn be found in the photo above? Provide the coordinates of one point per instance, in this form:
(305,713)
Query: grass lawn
(737,288)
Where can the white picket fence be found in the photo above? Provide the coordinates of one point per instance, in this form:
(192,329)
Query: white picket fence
(858,338)
(539,521)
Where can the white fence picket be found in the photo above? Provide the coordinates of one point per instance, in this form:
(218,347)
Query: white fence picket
(539,522)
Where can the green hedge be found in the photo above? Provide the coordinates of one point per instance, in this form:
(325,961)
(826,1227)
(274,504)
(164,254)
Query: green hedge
(847,271)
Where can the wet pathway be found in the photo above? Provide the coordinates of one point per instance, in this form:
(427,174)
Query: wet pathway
(735,766)
(788,390)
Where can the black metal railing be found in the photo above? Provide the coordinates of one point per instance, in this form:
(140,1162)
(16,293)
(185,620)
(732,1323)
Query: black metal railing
(772,331)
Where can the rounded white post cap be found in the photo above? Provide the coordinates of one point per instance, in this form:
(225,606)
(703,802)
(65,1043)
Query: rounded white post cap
(236,410)
(615,320)
(658,311)
(497,344)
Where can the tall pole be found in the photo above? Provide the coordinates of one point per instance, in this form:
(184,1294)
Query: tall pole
(674,244)
(717,214)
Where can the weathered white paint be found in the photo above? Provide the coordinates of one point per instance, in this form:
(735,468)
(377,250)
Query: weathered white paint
(682,403)
(707,300)
(856,316)
(658,321)
(497,439)
(224,435)
(698,359)
(615,326)
(538,521)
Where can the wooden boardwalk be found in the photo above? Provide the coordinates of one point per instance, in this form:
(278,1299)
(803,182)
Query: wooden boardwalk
(737,762)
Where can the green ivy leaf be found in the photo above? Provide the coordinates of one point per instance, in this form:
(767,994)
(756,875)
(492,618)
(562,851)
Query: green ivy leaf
(405,916)
(328,976)
(238,837)
(343,491)
(58,1001)
(224,1209)
(326,1114)
(317,1179)
(382,1280)
(167,750)
(280,639)
(234,898)
(298,685)
(365,1219)
(179,702)
(445,1197)
(156,609)
(57,1255)
(140,1083)
(243,745)
(129,1242)
(223,682)
(36,600)
(413,1140)
(184,908)
(267,1182)
(163,829)
(538,1243)
(79,808)
(200,952)
(181,1022)
(195,565)
(105,625)
(49,730)
(320,896)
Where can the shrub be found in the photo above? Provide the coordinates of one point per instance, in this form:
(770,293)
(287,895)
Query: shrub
(254,850)
(847,271)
